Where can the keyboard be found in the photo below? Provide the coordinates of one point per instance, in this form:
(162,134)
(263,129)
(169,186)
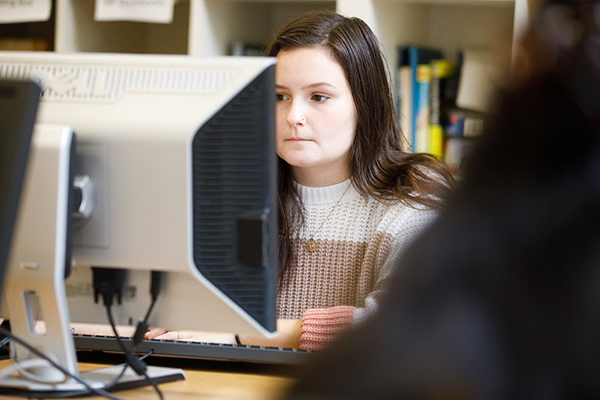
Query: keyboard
(197,350)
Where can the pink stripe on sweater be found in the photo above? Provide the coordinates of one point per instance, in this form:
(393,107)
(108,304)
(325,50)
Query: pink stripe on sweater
(320,326)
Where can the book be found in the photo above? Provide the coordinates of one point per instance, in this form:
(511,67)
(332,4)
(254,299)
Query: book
(23,44)
(456,152)
(418,55)
(247,49)
(403,93)
(442,97)
(465,123)
(421,105)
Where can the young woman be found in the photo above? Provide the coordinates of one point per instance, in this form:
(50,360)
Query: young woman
(507,307)
(350,200)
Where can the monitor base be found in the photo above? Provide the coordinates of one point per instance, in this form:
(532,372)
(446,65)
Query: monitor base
(97,378)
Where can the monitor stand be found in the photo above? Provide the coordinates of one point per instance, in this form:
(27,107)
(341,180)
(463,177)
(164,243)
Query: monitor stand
(35,294)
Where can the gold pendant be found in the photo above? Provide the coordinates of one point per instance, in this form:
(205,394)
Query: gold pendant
(311,245)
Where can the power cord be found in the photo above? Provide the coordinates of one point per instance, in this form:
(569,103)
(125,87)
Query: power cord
(22,367)
(130,358)
(111,384)
(90,389)
(108,386)
(4,350)
(108,282)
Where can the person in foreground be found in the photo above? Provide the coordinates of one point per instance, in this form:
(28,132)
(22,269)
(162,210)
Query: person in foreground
(500,297)
(350,200)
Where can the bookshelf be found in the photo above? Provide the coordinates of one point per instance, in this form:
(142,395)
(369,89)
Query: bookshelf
(201,28)
(206,28)
(210,27)
(215,25)
(447,24)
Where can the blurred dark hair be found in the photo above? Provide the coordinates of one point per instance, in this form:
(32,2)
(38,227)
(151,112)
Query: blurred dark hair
(378,166)
(500,298)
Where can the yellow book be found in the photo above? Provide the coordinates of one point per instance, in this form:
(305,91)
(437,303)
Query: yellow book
(23,44)
(440,70)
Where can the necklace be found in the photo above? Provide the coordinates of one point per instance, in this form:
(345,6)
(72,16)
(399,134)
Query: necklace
(311,245)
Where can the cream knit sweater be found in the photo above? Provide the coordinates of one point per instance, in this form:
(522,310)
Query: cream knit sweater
(357,242)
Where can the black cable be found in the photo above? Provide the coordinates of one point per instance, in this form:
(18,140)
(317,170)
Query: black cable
(5,340)
(156,280)
(116,380)
(90,389)
(134,362)
(147,316)
(107,287)
(108,283)
(111,384)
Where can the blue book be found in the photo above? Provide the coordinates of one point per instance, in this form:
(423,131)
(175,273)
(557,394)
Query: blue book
(418,55)
(422,142)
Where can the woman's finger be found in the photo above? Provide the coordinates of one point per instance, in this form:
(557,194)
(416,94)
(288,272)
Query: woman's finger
(154,333)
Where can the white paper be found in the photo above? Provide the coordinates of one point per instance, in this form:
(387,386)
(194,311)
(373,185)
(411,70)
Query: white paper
(12,11)
(159,11)
(482,75)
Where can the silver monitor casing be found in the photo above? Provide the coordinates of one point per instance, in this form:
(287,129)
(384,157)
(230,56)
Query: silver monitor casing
(134,119)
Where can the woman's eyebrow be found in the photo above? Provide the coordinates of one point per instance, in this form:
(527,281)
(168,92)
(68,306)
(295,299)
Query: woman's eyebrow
(309,86)
(318,84)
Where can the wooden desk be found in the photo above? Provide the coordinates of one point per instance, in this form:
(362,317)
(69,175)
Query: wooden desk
(211,380)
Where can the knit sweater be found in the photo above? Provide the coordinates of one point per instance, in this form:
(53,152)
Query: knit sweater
(357,241)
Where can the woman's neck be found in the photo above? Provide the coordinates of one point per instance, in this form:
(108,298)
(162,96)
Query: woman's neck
(313,178)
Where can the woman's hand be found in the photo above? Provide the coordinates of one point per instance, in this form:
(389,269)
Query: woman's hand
(288,336)
(191,336)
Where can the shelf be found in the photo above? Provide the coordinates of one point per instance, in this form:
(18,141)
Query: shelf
(217,24)
(446,24)
(77,31)
(210,27)
(29,34)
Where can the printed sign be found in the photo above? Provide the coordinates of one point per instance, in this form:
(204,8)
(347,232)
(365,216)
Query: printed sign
(159,11)
(12,11)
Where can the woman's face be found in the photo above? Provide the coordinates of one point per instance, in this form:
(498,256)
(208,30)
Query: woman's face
(316,116)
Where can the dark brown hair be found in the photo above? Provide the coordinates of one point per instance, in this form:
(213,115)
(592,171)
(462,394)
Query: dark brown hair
(378,167)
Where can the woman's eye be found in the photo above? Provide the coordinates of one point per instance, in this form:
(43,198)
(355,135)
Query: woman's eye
(281,97)
(319,97)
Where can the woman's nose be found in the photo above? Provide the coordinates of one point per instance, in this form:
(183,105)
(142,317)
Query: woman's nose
(296,116)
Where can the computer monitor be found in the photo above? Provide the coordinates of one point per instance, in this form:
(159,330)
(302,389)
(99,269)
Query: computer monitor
(18,107)
(175,167)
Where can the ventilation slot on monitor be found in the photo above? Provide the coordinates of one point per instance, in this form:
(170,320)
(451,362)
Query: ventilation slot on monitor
(84,83)
(230,200)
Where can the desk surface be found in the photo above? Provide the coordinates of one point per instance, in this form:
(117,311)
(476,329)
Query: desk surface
(211,380)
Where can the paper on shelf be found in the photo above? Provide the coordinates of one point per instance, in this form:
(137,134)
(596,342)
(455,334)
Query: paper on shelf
(13,11)
(482,74)
(158,11)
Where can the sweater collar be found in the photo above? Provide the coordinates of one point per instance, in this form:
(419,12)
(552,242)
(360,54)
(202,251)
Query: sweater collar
(323,196)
